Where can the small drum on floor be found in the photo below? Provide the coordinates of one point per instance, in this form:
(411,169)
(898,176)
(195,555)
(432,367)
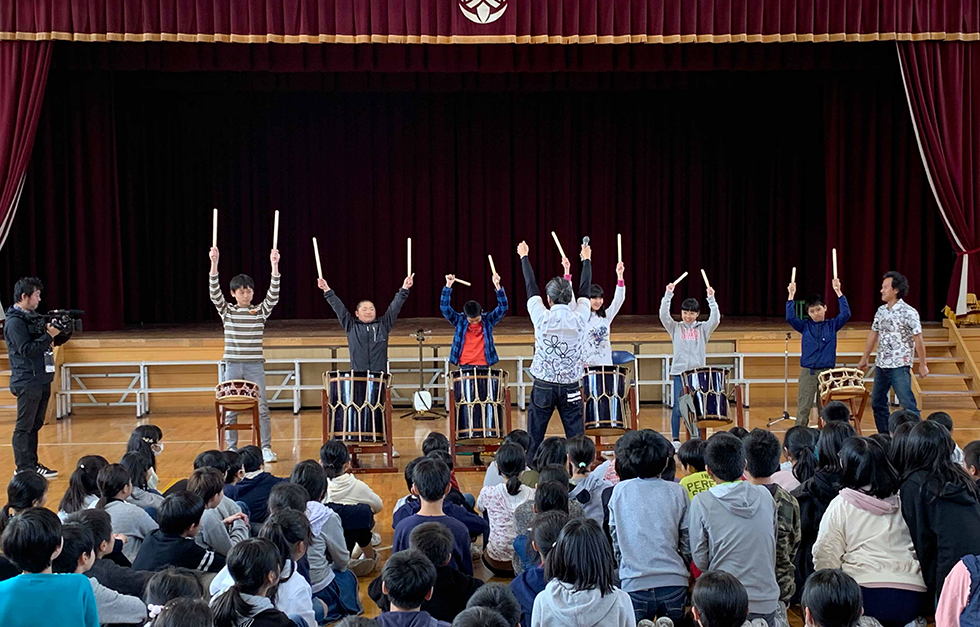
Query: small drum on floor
(356,405)
(843,382)
(604,393)
(236,394)
(706,397)
(480,396)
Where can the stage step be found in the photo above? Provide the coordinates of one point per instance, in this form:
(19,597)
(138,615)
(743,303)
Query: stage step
(955,393)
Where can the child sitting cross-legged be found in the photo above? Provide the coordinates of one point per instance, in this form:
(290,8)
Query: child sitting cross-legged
(499,502)
(408,580)
(173,543)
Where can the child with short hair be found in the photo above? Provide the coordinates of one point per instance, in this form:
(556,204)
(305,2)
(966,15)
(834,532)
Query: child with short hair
(529,584)
(408,580)
(479,616)
(971,459)
(229,464)
(123,580)
(551,496)
(498,502)
(83,487)
(947,421)
(141,474)
(77,556)
(173,543)
(653,558)
(691,456)
(835,411)
(217,534)
(498,597)
(169,584)
(127,519)
(719,600)
(899,417)
(588,486)
(831,598)
(431,481)
(473,337)
(733,527)
(254,489)
(411,504)
(255,566)
(32,540)
(800,447)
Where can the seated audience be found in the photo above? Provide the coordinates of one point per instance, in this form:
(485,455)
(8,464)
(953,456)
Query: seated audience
(254,489)
(217,534)
(408,579)
(831,598)
(144,479)
(518,436)
(83,486)
(107,572)
(691,456)
(498,598)
(173,543)
(498,502)
(254,565)
(588,486)
(719,600)
(183,612)
(551,451)
(170,584)
(129,520)
(528,585)
(800,447)
(345,488)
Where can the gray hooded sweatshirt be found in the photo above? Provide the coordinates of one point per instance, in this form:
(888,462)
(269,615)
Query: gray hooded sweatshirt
(559,605)
(690,340)
(732,528)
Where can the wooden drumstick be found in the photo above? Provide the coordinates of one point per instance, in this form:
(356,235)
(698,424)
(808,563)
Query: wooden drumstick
(466,283)
(833,254)
(619,245)
(409,257)
(792,278)
(680,278)
(493,268)
(558,244)
(214,230)
(705,277)
(316,253)
(275,232)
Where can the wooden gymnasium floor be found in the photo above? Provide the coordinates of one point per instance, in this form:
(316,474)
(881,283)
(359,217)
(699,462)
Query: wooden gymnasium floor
(298,438)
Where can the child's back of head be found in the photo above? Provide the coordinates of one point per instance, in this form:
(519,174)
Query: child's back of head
(551,451)
(480,617)
(82,483)
(719,600)
(519,437)
(77,543)
(207,483)
(409,470)
(288,496)
(408,578)
(642,454)
(251,458)
(832,598)
(180,512)
(725,457)
(691,454)
(435,441)
(139,465)
(312,477)
(971,458)
(545,528)
(113,479)
(286,529)
(762,451)
(551,496)
(498,598)
(333,457)
(31,539)
(431,478)
(942,418)
(800,443)
(900,417)
(581,453)
(172,583)
(835,411)
(214,459)
(25,490)
(509,459)
(582,557)
(442,456)
(433,540)
(98,522)
(183,612)
(252,563)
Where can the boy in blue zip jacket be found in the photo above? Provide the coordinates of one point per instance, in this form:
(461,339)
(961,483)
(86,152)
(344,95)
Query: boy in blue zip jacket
(818,345)
(473,340)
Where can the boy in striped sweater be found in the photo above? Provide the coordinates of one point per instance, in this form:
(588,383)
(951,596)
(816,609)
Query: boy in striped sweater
(244,325)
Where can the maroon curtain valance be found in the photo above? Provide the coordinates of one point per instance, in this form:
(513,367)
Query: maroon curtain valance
(490,21)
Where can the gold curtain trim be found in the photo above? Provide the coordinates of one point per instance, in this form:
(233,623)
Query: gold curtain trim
(484,39)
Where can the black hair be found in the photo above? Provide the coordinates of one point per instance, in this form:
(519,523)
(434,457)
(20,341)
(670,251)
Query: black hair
(249,564)
(251,458)
(898,451)
(929,447)
(409,469)
(286,495)
(835,411)
(143,438)
(720,599)
(179,512)
(183,612)
(885,440)
(113,479)
(239,281)
(725,456)
(206,482)
(545,528)
(581,452)
(669,473)
(739,432)
(942,418)
(173,583)
(510,463)
(442,456)
(559,290)
(234,461)
(691,304)
(833,598)
(557,473)
(814,300)
(865,468)
(595,291)
(691,454)
(431,478)
(582,557)
(520,437)
(138,464)
(480,616)
(435,441)
(309,474)
(31,538)
(433,540)
(762,451)
(497,597)
(215,459)
(832,438)
(357,621)
(801,442)
(333,456)
(900,416)
(23,490)
(84,481)
(624,471)
(551,451)
(472,309)
(551,496)
(971,454)
(899,282)
(285,529)
(98,521)
(77,541)
(26,286)
(642,453)
(408,578)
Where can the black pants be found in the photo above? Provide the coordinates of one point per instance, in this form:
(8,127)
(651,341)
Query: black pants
(545,398)
(32,404)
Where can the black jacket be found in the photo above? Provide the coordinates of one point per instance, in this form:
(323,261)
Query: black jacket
(367,342)
(160,550)
(26,349)
(123,580)
(449,596)
(945,527)
(814,495)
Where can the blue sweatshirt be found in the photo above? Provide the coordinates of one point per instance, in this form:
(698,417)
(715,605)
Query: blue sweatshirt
(66,600)
(526,588)
(476,525)
(819,344)
(461,538)
(254,492)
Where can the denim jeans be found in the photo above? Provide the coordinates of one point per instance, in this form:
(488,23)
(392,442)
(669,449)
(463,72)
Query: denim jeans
(545,398)
(668,601)
(898,379)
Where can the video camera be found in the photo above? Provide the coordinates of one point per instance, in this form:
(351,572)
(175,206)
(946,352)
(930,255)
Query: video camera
(65,320)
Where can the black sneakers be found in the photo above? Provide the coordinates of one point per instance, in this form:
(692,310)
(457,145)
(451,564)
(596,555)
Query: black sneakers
(45,472)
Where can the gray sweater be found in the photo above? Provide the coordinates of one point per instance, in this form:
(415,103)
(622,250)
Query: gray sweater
(648,524)
(144,498)
(328,550)
(115,608)
(133,522)
(690,340)
(214,535)
(733,528)
(588,492)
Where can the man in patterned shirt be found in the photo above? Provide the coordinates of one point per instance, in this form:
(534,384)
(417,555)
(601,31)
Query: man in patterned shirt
(896,330)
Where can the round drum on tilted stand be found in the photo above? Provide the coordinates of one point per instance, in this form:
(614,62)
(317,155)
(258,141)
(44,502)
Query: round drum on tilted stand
(356,409)
(706,400)
(479,411)
(239,396)
(845,385)
(608,407)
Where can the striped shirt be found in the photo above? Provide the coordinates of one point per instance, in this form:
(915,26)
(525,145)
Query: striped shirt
(244,326)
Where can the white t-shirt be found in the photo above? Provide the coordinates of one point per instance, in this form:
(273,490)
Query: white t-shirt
(596,350)
(499,506)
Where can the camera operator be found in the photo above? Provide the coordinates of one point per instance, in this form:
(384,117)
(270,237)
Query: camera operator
(29,347)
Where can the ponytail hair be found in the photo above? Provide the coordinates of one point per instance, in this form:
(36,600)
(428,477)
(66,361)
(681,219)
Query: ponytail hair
(510,462)
(22,492)
(82,483)
(801,442)
(113,479)
(249,564)
(285,529)
(333,456)
(581,453)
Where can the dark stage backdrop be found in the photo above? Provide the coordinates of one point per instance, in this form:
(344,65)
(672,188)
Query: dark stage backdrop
(742,173)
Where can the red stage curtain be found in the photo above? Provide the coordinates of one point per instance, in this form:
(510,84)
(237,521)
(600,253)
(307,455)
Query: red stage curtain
(499,21)
(944,98)
(23,76)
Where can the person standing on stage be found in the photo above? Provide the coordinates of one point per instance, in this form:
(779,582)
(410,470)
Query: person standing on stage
(597,349)
(896,331)
(818,346)
(29,349)
(690,340)
(559,338)
(244,325)
(473,340)
(367,335)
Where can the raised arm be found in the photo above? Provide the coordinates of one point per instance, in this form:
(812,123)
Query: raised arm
(214,286)
(343,316)
(585,281)
(445,300)
(791,317)
(620,296)
(388,320)
(714,318)
(844,310)
(502,305)
(665,318)
(272,296)
(530,283)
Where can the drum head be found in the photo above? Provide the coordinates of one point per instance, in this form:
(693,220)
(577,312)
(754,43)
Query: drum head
(606,431)
(713,421)
(478,442)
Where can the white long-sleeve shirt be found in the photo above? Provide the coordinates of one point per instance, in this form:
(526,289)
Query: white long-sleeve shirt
(559,337)
(597,350)
(349,490)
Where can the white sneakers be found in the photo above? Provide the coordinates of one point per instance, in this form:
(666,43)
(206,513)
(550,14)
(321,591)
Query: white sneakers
(268,455)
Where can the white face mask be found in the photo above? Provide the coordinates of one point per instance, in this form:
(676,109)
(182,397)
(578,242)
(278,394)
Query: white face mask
(153,480)
(157,448)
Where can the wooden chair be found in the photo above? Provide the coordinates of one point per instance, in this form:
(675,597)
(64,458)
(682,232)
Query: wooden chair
(225,402)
